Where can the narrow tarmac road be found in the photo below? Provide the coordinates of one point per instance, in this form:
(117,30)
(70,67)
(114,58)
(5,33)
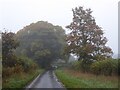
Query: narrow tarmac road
(46,80)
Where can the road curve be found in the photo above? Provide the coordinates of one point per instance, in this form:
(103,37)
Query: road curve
(46,80)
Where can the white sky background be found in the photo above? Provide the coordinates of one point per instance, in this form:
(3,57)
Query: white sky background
(15,14)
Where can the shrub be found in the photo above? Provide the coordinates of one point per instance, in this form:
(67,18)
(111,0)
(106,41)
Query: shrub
(6,72)
(80,65)
(105,67)
(85,66)
(18,69)
(27,63)
(23,64)
(76,65)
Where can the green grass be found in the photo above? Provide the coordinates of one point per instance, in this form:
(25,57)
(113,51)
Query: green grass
(84,81)
(20,80)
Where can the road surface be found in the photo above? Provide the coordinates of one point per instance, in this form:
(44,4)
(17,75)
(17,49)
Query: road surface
(46,80)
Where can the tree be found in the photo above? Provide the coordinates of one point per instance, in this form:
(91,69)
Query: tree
(9,44)
(45,42)
(86,38)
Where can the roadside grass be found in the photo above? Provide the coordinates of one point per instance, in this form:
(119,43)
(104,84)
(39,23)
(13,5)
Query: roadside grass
(75,79)
(0,73)
(20,80)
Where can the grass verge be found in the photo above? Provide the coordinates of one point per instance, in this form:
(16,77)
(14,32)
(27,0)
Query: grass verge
(20,80)
(74,79)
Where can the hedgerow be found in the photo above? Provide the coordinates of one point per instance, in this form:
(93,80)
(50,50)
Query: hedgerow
(105,67)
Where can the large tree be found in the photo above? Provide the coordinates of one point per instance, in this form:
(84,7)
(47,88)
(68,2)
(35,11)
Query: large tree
(42,42)
(86,38)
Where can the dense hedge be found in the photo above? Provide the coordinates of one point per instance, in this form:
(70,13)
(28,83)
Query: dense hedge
(27,63)
(104,67)
(23,64)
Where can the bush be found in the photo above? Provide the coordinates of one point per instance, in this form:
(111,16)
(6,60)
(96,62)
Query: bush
(105,67)
(76,65)
(6,72)
(23,64)
(18,69)
(27,63)
(80,65)
(85,65)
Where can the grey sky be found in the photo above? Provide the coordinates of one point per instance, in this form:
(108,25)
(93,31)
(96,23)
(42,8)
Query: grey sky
(15,14)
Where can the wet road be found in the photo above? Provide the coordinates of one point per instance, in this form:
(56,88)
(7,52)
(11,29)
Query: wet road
(46,80)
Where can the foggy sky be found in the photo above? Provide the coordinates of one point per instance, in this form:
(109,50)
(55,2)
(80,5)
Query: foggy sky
(15,14)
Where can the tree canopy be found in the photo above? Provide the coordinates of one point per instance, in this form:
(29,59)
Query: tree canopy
(42,42)
(86,38)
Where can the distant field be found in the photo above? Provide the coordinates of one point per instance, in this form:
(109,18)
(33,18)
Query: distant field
(74,79)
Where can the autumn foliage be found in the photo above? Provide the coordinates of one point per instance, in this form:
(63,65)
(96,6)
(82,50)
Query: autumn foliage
(86,39)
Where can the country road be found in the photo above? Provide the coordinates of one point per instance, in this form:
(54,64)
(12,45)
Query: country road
(46,80)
